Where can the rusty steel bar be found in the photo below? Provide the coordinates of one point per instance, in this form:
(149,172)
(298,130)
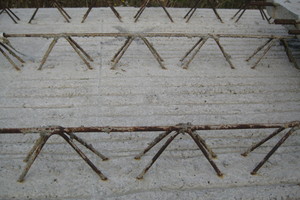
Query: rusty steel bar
(81,49)
(203,143)
(294,32)
(258,4)
(59,8)
(32,157)
(205,153)
(79,52)
(83,156)
(62,9)
(154,52)
(121,52)
(200,43)
(93,4)
(279,143)
(164,8)
(226,55)
(45,134)
(12,52)
(255,146)
(188,35)
(88,146)
(153,143)
(161,150)
(259,49)
(10,60)
(261,3)
(286,21)
(11,14)
(143,7)
(194,8)
(289,53)
(109,129)
(62,12)
(215,11)
(190,51)
(264,53)
(68,134)
(33,15)
(50,48)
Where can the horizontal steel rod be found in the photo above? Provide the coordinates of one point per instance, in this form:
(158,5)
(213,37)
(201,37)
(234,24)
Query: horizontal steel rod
(188,35)
(108,129)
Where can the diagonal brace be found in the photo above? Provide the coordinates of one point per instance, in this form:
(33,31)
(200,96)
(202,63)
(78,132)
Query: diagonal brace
(68,137)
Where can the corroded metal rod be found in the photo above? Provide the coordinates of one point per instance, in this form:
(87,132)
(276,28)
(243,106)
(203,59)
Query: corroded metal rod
(154,52)
(205,152)
(226,55)
(12,52)
(190,51)
(201,42)
(253,147)
(141,10)
(34,148)
(88,146)
(121,49)
(121,52)
(193,8)
(109,129)
(259,49)
(203,143)
(83,156)
(62,9)
(161,150)
(62,12)
(215,11)
(81,49)
(9,10)
(79,53)
(152,144)
(33,15)
(45,134)
(289,53)
(188,35)
(50,48)
(164,8)
(33,156)
(280,142)
(9,59)
(264,53)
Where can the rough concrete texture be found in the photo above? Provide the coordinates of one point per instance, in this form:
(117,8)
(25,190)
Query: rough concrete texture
(285,9)
(139,92)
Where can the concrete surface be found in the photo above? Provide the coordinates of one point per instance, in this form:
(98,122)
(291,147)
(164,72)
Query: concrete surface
(139,92)
(286,9)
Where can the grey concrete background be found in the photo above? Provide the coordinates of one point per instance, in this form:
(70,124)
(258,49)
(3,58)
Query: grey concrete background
(140,93)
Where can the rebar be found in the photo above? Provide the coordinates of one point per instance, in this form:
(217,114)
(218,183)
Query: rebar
(11,14)
(68,133)
(279,143)
(55,4)
(77,48)
(93,4)
(191,12)
(143,7)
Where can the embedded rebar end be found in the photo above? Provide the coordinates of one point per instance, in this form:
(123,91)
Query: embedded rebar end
(253,173)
